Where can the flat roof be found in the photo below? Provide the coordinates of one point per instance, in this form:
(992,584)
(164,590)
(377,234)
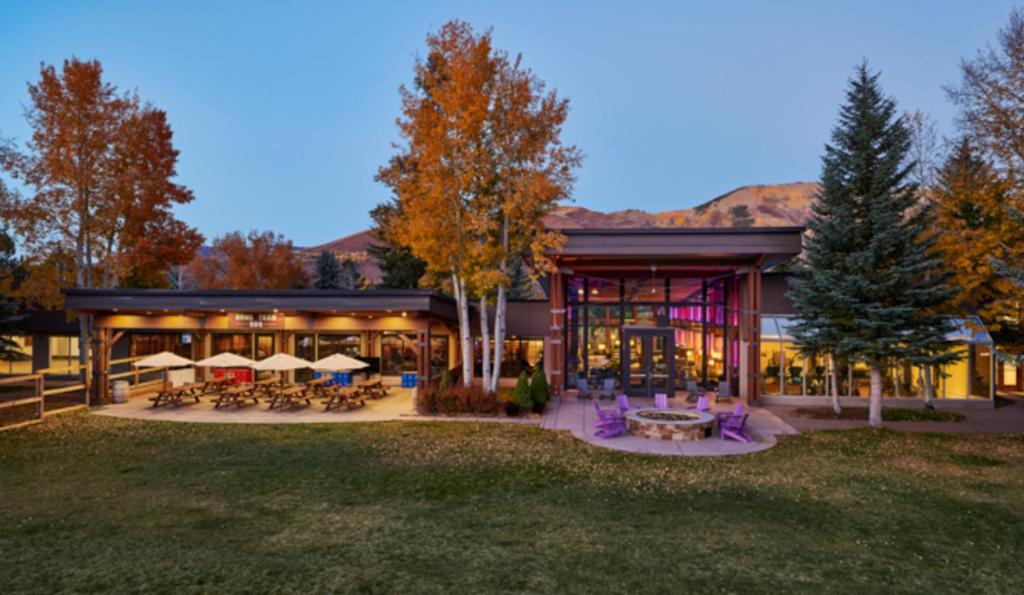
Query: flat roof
(690,245)
(261,300)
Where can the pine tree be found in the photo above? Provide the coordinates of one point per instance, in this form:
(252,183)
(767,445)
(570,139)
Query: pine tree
(539,393)
(11,275)
(349,276)
(520,283)
(873,287)
(741,216)
(328,272)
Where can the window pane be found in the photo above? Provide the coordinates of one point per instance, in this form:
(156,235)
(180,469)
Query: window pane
(397,353)
(771,371)
(438,355)
(644,290)
(347,344)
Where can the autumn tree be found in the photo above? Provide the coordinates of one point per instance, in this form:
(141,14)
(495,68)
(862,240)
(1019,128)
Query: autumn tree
(481,166)
(101,166)
(972,199)
(258,260)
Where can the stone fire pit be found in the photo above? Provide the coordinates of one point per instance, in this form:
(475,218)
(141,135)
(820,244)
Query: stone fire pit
(670,424)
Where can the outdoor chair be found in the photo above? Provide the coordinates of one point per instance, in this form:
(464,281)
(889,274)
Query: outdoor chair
(611,428)
(605,414)
(734,427)
(608,390)
(703,404)
(692,390)
(582,388)
(724,392)
(736,411)
(661,401)
(623,403)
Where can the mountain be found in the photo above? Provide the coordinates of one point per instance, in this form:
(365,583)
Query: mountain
(768,205)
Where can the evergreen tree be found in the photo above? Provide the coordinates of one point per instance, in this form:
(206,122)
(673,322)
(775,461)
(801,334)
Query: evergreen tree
(520,283)
(873,287)
(741,216)
(12,273)
(539,393)
(349,276)
(399,267)
(328,272)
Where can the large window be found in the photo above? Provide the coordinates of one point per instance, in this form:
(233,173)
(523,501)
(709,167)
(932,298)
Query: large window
(150,343)
(63,353)
(397,353)
(22,364)
(439,360)
(237,343)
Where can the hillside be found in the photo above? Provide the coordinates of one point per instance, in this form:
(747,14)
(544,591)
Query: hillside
(770,205)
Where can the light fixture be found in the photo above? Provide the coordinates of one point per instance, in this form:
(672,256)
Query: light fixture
(404,314)
(115,309)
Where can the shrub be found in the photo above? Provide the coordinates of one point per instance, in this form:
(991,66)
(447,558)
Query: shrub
(539,389)
(456,400)
(519,400)
(446,381)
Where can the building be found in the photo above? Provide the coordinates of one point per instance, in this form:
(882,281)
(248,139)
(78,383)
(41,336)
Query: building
(645,310)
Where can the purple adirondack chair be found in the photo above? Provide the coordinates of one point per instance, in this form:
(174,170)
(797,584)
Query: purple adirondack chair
(623,403)
(733,426)
(611,429)
(703,404)
(661,401)
(737,410)
(605,414)
(609,422)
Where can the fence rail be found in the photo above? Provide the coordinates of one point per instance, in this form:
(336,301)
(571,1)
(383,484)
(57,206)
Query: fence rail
(40,392)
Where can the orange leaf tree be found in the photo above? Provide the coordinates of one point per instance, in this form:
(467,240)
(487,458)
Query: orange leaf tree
(480,167)
(255,261)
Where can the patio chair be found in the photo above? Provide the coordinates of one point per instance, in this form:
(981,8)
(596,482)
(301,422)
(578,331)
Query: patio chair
(582,389)
(724,392)
(605,414)
(734,427)
(661,401)
(611,429)
(623,403)
(692,390)
(608,390)
(737,410)
(703,404)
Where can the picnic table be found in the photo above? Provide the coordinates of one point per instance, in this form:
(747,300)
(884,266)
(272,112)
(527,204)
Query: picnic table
(373,388)
(288,396)
(338,396)
(318,385)
(266,386)
(216,383)
(235,395)
(173,395)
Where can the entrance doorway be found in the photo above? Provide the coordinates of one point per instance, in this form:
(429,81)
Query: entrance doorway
(648,365)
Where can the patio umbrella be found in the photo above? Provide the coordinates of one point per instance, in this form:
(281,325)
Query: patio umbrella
(338,363)
(225,360)
(281,362)
(164,359)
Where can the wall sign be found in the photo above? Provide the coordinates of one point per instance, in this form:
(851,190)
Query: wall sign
(256,321)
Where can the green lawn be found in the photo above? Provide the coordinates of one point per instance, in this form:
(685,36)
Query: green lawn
(98,504)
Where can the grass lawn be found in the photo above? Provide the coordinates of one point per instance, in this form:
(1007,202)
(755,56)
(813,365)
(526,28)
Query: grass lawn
(99,504)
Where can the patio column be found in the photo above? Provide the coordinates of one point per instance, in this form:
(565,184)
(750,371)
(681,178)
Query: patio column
(423,357)
(554,356)
(750,337)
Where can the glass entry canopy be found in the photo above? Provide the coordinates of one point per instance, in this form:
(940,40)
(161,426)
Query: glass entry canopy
(652,334)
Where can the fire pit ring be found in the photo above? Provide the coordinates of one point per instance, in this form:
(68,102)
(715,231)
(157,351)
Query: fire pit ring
(670,424)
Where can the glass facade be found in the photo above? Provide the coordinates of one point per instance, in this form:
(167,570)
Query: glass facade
(151,343)
(397,353)
(784,372)
(22,365)
(651,332)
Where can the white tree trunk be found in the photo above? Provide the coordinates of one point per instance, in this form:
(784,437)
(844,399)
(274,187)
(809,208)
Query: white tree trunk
(836,407)
(875,405)
(499,336)
(929,386)
(485,339)
(459,288)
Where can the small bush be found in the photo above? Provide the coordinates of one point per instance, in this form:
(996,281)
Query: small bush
(456,400)
(539,393)
(519,400)
(446,381)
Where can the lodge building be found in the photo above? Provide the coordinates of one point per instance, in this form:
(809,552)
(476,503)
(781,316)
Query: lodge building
(648,310)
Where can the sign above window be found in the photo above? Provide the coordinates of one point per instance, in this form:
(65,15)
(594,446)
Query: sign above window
(256,321)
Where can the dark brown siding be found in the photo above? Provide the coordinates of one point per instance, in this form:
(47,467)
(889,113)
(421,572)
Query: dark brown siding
(774,294)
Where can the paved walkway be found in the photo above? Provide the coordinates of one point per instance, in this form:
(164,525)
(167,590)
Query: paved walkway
(577,416)
(1007,418)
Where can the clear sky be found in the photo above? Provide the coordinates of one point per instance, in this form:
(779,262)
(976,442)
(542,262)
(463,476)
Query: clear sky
(283,111)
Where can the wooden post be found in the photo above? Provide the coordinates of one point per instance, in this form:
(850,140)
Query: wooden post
(554,360)
(42,396)
(423,358)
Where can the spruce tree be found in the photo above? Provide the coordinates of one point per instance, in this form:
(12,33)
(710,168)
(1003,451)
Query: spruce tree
(349,276)
(873,288)
(520,283)
(328,272)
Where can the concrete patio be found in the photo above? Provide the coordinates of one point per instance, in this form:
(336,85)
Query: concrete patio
(577,416)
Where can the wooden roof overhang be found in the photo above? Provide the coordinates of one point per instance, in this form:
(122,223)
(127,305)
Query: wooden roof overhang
(677,249)
(311,302)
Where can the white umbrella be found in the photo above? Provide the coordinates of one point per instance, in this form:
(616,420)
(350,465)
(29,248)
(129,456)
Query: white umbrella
(281,362)
(339,363)
(226,360)
(164,359)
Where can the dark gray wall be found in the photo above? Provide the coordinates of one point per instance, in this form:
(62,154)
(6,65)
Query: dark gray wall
(773,294)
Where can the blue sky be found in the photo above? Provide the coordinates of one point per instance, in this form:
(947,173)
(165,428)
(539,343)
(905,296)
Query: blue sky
(283,111)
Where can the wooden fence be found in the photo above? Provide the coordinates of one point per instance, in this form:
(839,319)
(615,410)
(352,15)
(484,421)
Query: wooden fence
(137,383)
